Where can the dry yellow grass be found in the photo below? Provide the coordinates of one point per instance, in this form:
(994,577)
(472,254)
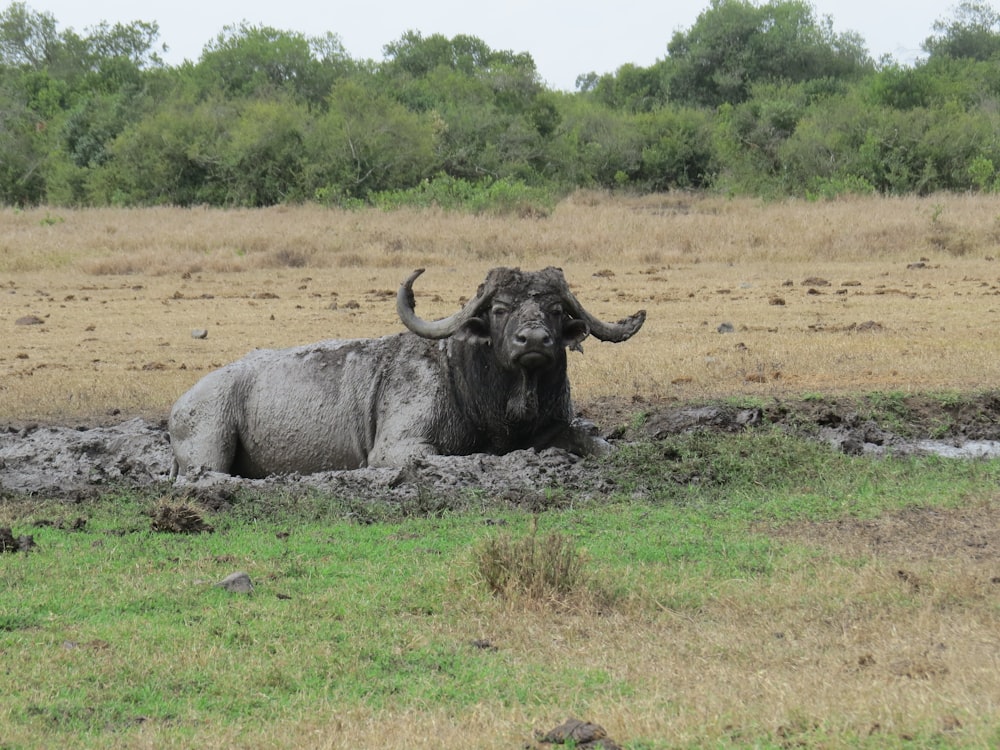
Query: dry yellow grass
(119,292)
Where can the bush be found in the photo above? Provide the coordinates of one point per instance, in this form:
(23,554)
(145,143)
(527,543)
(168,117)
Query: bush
(364,144)
(677,151)
(828,188)
(983,174)
(503,196)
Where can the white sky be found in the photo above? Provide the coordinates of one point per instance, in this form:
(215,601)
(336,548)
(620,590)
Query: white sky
(564,37)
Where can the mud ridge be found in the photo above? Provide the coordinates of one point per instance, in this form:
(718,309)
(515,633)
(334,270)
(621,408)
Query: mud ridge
(67,462)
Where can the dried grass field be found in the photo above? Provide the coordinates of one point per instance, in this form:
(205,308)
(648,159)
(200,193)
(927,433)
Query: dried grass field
(97,306)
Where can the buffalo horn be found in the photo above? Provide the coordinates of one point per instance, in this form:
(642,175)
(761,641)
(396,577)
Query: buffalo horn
(614,332)
(434,329)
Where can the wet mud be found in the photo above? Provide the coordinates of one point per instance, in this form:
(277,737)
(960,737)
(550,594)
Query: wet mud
(65,461)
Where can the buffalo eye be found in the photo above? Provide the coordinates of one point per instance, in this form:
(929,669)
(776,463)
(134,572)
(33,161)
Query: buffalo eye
(555,309)
(500,311)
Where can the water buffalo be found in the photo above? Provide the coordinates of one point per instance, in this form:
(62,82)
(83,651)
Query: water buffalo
(490,378)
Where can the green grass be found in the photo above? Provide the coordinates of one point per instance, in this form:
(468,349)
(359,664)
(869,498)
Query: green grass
(774,476)
(111,630)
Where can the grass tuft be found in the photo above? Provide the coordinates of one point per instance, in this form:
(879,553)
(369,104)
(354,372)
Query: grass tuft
(538,570)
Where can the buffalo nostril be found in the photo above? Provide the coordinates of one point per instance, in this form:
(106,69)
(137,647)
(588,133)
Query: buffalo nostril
(533,337)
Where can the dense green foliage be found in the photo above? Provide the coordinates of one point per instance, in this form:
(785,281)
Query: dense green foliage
(765,99)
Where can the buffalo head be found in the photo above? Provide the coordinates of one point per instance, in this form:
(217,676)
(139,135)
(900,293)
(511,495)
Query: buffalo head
(526,317)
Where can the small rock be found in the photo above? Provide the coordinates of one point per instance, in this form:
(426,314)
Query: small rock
(869,325)
(237,583)
(199,333)
(583,734)
(725,328)
(29,320)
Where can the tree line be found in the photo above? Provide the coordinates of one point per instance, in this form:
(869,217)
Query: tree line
(754,98)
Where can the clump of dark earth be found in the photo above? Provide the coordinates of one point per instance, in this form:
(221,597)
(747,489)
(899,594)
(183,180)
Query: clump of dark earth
(179,518)
(80,461)
(8,543)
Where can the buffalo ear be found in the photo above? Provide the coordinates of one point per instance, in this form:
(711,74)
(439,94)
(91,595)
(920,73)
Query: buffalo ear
(475,331)
(574,332)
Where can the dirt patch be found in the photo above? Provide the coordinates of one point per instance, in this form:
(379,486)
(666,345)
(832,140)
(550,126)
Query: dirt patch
(870,424)
(73,461)
(62,461)
(67,462)
(913,535)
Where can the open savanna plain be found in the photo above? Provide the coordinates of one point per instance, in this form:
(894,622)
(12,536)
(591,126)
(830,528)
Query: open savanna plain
(845,296)
(752,588)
